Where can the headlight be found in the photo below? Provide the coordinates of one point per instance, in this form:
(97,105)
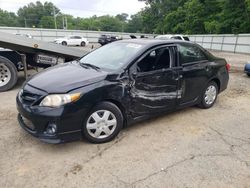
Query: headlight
(57,100)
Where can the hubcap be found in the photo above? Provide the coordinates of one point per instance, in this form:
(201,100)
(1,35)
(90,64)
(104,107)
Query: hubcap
(101,124)
(5,74)
(210,95)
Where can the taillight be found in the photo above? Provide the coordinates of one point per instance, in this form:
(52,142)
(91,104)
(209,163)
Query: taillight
(228,67)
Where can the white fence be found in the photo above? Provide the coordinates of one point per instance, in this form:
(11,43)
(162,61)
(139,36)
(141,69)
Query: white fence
(51,34)
(230,43)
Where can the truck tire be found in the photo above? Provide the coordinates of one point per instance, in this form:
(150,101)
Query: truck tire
(8,74)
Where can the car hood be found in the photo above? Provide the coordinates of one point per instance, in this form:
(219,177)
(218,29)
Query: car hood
(66,77)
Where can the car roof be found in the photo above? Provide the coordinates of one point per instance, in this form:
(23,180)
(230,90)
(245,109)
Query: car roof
(154,42)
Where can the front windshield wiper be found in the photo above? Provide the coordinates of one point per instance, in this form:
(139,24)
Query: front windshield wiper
(90,65)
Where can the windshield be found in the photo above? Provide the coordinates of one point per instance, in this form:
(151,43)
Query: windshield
(112,56)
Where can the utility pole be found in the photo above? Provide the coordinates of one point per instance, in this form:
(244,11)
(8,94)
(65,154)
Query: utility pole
(66,22)
(54,11)
(25,22)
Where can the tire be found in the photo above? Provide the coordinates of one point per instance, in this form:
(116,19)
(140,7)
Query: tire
(248,74)
(64,43)
(96,126)
(8,74)
(209,95)
(83,44)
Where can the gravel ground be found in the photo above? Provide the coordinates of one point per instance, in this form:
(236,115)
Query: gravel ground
(187,148)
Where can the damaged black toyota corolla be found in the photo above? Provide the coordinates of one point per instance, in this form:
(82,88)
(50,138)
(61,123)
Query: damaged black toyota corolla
(115,85)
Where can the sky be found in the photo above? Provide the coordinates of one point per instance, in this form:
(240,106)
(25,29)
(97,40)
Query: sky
(82,8)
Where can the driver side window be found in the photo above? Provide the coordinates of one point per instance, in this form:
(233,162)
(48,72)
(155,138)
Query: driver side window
(155,60)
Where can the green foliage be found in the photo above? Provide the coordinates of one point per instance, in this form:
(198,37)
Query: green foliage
(32,14)
(8,19)
(197,16)
(159,16)
(134,25)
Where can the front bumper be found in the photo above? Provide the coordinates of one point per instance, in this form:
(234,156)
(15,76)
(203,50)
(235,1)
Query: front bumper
(69,122)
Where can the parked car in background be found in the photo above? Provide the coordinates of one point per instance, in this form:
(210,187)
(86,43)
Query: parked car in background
(72,40)
(164,37)
(105,39)
(119,84)
(176,37)
(180,37)
(247,69)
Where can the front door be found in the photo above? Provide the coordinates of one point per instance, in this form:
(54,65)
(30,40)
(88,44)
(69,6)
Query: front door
(154,82)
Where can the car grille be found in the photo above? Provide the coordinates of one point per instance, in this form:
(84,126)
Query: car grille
(29,98)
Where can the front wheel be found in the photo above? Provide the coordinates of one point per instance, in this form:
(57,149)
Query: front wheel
(103,123)
(209,95)
(64,43)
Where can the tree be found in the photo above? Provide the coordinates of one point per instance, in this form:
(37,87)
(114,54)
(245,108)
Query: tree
(134,25)
(235,16)
(8,19)
(47,22)
(32,14)
(122,17)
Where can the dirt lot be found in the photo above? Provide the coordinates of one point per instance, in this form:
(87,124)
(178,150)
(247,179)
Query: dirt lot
(188,148)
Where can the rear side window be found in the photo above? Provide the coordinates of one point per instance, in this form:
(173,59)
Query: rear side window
(190,53)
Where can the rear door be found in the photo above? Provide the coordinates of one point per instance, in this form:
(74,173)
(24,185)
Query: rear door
(154,82)
(196,71)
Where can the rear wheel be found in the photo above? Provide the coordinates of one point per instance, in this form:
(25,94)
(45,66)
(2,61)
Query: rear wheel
(103,123)
(8,74)
(209,95)
(83,43)
(64,43)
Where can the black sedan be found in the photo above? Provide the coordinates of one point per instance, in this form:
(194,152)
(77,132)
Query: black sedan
(116,85)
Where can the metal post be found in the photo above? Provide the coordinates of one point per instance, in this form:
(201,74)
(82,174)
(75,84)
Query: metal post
(23,57)
(212,41)
(66,22)
(25,22)
(54,11)
(222,44)
(202,40)
(236,42)
(63,24)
